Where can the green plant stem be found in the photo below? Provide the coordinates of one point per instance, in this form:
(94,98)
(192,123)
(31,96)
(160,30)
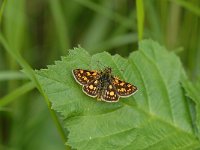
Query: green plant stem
(30,73)
(16,93)
(140,18)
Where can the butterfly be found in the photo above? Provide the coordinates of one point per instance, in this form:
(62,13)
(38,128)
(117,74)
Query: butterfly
(103,85)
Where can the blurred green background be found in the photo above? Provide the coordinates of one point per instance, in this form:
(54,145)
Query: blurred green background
(44,30)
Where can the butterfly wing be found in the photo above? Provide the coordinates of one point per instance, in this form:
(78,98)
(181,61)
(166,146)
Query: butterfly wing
(91,89)
(84,77)
(109,94)
(124,89)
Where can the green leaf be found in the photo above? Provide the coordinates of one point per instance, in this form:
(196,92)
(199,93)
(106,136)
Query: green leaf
(192,91)
(156,117)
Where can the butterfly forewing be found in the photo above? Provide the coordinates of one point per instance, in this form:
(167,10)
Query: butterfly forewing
(109,94)
(91,88)
(84,77)
(124,89)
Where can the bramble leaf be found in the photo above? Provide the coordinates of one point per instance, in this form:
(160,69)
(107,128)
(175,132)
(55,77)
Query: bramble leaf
(156,117)
(192,91)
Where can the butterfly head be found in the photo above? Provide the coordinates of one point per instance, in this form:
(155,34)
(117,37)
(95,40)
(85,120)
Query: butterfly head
(107,70)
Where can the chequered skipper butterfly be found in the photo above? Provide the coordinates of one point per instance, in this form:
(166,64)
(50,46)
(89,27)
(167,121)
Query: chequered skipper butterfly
(103,85)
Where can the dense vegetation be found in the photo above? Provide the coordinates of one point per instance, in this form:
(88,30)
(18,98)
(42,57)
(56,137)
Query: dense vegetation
(35,33)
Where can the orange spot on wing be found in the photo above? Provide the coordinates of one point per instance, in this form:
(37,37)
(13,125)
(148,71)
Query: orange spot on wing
(122,83)
(91,86)
(84,78)
(94,74)
(116,80)
(88,73)
(112,93)
(129,85)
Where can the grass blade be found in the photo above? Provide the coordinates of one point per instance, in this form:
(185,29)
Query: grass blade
(16,93)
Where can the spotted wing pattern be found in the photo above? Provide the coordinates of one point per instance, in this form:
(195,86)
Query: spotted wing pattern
(102,85)
(91,89)
(84,77)
(123,89)
(109,94)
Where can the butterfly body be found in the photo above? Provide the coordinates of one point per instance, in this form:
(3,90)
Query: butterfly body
(103,85)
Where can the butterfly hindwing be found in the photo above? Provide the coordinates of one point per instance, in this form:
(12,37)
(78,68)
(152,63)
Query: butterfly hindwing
(109,94)
(124,89)
(84,77)
(91,89)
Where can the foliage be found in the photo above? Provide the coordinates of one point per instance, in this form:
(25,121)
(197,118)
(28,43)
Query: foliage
(157,117)
(34,33)
(192,91)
